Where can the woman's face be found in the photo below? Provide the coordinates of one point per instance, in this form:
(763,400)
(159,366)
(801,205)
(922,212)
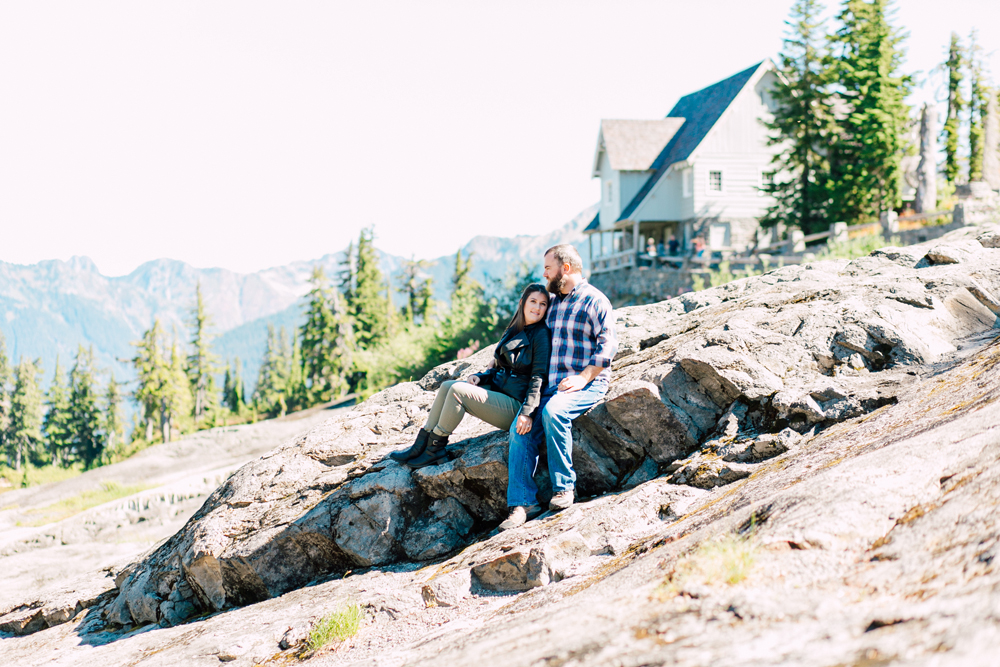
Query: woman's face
(534,307)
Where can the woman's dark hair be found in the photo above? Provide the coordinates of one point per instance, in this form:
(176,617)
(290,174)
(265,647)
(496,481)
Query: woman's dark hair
(516,325)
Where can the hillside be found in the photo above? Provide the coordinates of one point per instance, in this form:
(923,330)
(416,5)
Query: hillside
(797,468)
(50,308)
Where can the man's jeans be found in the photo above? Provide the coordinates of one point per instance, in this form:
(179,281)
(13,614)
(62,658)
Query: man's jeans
(553,422)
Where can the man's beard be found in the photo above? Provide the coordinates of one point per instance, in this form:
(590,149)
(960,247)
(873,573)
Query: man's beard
(556,283)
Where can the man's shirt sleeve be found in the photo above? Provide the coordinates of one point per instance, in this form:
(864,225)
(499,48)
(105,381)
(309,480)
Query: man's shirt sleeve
(603,323)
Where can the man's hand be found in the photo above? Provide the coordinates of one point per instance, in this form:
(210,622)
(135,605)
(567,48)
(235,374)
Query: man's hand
(572,383)
(473,380)
(523,425)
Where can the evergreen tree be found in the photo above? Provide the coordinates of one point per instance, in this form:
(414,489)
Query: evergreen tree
(802,124)
(114,421)
(272,380)
(866,156)
(86,441)
(416,285)
(151,370)
(978,99)
(232,393)
(176,401)
(327,340)
(347,276)
(956,104)
(58,420)
(24,430)
(5,378)
(201,363)
(470,321)
(369,309)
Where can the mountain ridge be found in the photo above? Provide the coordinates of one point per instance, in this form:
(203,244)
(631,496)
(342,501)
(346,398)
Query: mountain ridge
(49,308)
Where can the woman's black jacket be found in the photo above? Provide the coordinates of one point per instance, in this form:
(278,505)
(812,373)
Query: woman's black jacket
(521,366)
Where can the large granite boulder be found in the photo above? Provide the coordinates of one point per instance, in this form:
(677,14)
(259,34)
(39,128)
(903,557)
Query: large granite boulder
(706,387)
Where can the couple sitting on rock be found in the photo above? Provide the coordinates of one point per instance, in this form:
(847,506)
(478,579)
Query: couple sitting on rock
(552,364)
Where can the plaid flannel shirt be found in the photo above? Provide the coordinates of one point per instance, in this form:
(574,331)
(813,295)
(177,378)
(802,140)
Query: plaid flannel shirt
(583,333)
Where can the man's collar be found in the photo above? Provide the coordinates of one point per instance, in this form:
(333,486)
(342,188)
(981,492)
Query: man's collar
(583,281)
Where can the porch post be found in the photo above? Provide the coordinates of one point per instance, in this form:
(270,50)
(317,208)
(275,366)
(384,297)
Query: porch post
(635,242)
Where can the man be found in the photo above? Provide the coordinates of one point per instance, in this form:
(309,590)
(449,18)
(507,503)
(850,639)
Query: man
(583,345)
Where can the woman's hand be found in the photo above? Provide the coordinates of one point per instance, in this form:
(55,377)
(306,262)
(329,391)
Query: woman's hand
(523,425)
(473,380)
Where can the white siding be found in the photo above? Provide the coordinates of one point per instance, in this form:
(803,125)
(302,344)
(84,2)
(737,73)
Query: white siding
(631,183)
(736,146)
(665,202)
(609,211)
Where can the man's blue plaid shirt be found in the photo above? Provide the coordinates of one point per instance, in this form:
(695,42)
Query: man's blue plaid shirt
(583,333)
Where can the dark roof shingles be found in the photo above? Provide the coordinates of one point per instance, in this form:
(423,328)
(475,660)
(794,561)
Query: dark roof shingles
(701,110)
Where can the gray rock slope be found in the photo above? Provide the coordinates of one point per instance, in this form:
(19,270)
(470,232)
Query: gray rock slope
(831,429)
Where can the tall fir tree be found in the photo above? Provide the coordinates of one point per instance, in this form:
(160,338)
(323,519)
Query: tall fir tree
(5,381)
(233,389)
(471,319)
(273,378)
(86,440)
(956,105)
(202,364)
(416,285)
(802,124)
(113,424)
(369,308)
(57,425)
(347,275)
(176,400)
(24,431)
(151,369)
(866,156)
(327,340)
(979,93)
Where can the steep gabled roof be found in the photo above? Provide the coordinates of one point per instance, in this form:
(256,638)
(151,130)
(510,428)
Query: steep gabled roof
(701,110)
(595,224)
(633,145)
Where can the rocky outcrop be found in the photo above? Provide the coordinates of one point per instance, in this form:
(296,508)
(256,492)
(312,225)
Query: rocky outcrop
(706,387)
(830,414)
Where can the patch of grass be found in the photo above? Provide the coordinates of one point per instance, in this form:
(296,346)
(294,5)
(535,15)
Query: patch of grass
(861,246)
(336,626)
(726,560)
(29,475)
(68,507)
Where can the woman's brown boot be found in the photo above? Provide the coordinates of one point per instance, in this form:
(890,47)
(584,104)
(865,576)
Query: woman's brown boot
(415,450)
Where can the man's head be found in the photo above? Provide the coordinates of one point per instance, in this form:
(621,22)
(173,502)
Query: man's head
(562,265)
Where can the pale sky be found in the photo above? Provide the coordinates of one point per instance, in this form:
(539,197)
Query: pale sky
(251,134)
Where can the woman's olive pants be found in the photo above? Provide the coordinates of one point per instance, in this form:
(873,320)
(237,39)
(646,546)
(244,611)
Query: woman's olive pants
(456,397)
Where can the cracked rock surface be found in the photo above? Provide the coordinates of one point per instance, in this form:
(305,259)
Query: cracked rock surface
(839,421)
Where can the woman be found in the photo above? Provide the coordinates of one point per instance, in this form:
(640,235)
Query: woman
(509,390)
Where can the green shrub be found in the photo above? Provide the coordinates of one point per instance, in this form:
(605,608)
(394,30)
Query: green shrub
(336,626)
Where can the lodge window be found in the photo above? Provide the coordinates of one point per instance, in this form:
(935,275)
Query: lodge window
(609,187)
(715,181)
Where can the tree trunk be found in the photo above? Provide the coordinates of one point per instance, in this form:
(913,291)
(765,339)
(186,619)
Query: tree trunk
(926,199)
(991,144)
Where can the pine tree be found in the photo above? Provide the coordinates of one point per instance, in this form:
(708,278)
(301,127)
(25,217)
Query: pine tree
(369,308)
(151,370)
(24,431)
(347,276)
(802,124)
(58,420)
(416,285)
(865,158)
(201,363)
(471,319)
(232,393)
(272,380)
(327,340)
(176,401)
(5,378)
(978,99)
(114,422)
(956,104)
(86,441)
